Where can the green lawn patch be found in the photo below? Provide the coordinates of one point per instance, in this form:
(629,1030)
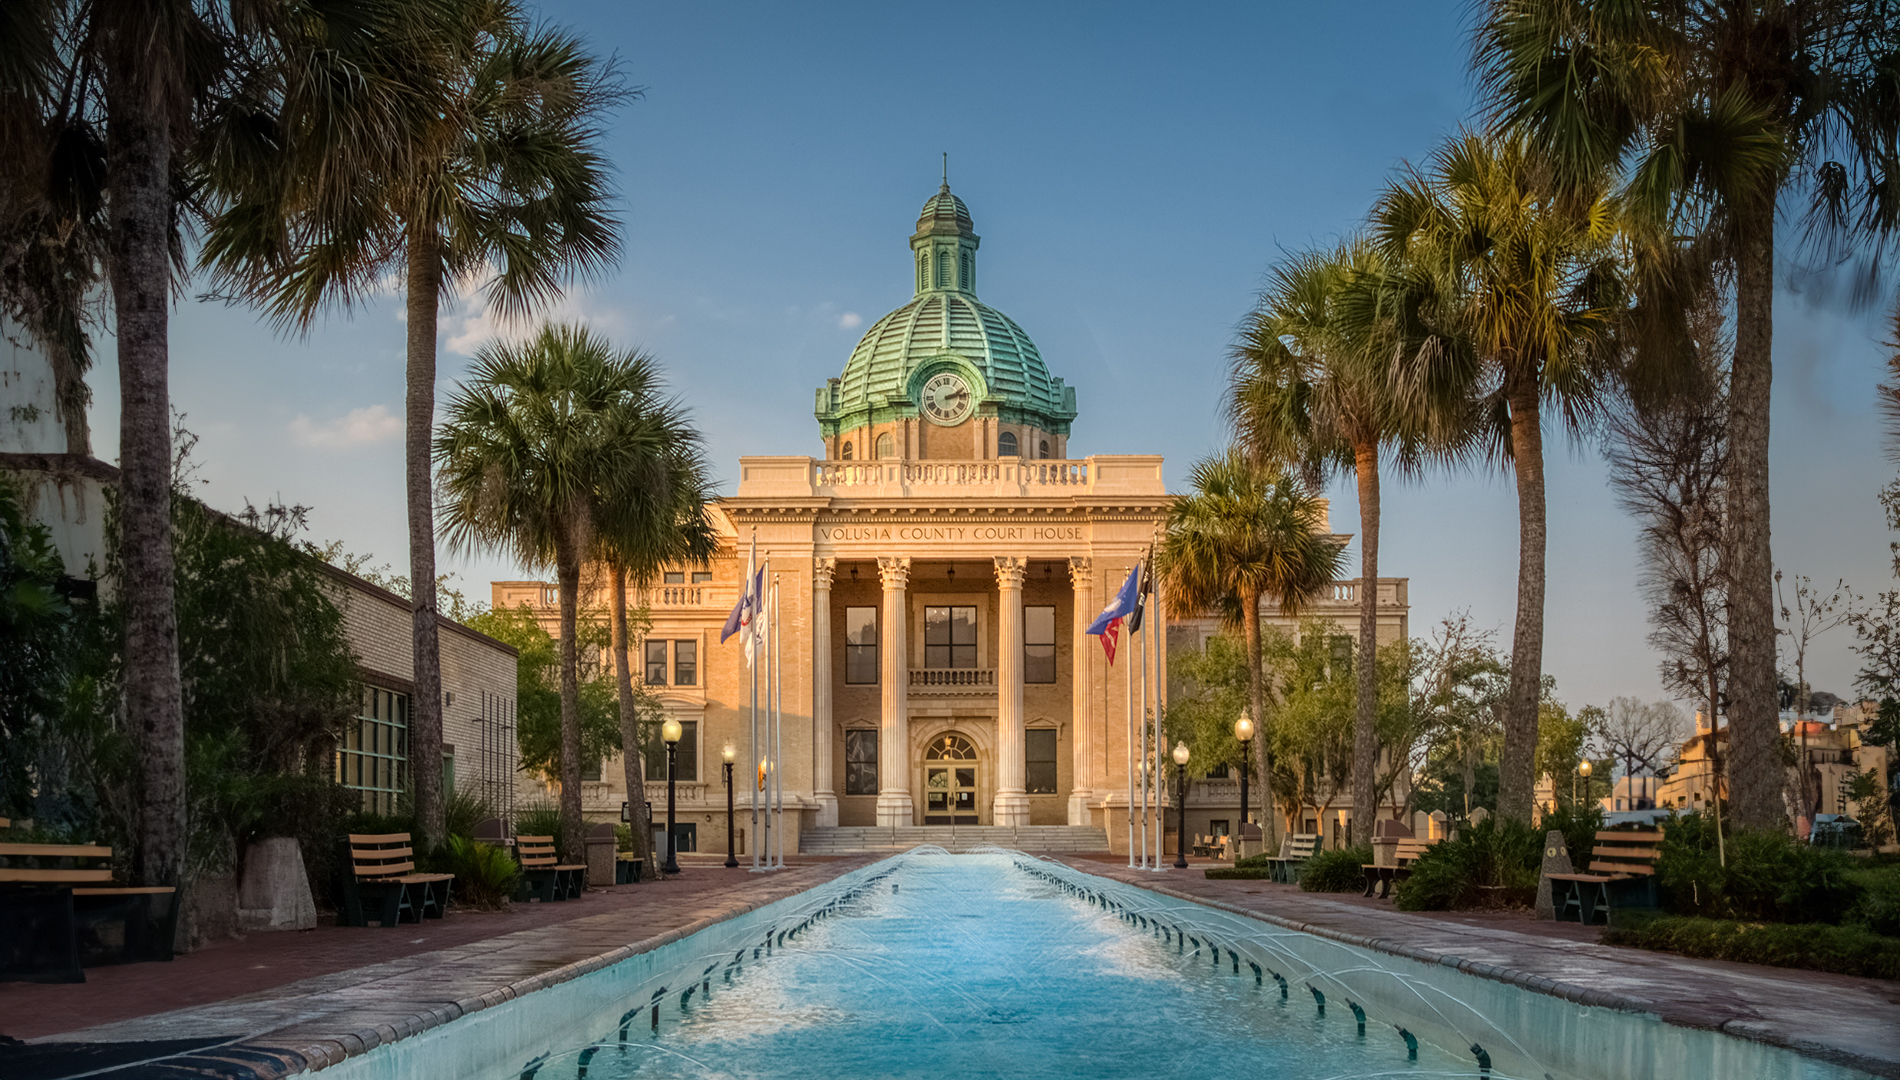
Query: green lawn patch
(1844,950)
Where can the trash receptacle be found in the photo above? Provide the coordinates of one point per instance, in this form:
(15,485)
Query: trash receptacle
(600,856)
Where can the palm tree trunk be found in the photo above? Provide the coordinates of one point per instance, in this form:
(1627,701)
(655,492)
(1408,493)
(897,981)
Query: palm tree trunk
(1755,770)
(1257,703)
(567,576)
(425,706)
(138,182)
(630,753)
(1365,734)
(1517,765)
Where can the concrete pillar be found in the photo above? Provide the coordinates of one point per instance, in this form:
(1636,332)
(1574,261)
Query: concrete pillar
(893,740)
(823,790)
(1081,661)
(1012,801)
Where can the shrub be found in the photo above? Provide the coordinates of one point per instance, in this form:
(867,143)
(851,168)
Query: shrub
(1580,827)
(1879,906)
(485,875)
(462,810)
(1845,950)
(1494,863)
(1239,873)
(1336,871)
(539,819)
(1769,876)
(1254,862)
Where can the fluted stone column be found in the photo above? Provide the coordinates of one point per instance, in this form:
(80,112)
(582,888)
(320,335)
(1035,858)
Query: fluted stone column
(1081,663)
(823,790)
(1012,800)
(893,740)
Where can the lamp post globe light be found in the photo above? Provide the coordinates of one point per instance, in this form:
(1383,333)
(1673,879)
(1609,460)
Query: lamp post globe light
(1180,816)
(670,733)
(1243,731)
(1584,770)
(732,852)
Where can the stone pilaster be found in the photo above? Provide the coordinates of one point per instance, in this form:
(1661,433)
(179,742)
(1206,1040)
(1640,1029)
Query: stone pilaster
(1012,801)
(1081,662)
(894,806)
(823,790)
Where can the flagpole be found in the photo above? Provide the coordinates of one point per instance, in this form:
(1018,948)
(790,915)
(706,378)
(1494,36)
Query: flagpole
(1128,675)
(751,631)
(1159,620)
(1140,656)
(778,726)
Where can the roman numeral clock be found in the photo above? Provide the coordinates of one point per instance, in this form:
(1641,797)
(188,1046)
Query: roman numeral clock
(947,399)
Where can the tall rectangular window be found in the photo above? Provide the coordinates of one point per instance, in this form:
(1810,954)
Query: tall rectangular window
(949,637)
(860,761)
(373,757)
(686,663)
(688,753)
(656,662)
(860,645)
(1039,761)
(1039,644)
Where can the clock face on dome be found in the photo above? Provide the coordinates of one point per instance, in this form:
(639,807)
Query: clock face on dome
(947,399)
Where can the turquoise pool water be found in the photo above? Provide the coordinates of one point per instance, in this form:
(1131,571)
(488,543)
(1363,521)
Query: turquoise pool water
(1001,965)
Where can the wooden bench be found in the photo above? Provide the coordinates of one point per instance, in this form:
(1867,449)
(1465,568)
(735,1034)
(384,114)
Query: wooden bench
(1405,854)
(60,910)
(1622,875)
(628,868)
(1294,851)
(543,876)
(380,882)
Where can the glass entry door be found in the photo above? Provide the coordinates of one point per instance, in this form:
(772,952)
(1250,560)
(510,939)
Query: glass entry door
(950,782)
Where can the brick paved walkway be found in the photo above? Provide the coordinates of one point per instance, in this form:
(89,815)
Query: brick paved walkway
(299,1000)
(1848,1020)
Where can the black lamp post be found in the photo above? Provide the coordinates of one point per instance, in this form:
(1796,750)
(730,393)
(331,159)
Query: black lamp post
(732,851)
(670,734)
(1243,731)
(1180,819)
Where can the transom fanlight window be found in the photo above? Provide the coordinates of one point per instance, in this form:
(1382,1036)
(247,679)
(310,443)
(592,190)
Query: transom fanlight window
(885,447)
(844,451)
(1006,444)
(950,748)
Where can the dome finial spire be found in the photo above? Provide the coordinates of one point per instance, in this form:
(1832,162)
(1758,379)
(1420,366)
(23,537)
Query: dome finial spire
(946,170)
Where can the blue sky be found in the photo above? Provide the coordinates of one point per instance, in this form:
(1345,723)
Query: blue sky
(1134,171)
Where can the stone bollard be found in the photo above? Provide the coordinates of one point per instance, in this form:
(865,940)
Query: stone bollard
(1440,826)
(275,893)
(1556,861)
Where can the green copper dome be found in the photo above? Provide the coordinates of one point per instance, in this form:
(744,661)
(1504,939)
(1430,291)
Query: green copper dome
(945,327)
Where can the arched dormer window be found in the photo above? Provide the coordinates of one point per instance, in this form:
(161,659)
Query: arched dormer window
(844,452)
(943,271)
(1006,444)
(965,272)
(1043,450)
(923,271)
(885,447)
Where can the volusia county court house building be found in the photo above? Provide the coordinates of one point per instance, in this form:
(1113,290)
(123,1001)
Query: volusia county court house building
(937,568)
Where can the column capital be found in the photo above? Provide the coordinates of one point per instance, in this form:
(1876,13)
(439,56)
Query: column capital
(1079,567)
(1010,571)
(821,571)
(894,569)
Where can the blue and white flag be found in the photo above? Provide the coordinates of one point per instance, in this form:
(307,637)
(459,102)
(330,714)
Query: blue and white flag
(1125,605)
(748,615)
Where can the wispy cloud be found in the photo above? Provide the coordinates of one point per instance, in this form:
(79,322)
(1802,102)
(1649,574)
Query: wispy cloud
(358,427)
(850,320)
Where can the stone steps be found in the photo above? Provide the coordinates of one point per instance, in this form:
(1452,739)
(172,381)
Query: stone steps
(855,839)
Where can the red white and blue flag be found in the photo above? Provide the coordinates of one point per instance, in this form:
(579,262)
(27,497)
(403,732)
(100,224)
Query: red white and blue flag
(748,615)
(1125,606)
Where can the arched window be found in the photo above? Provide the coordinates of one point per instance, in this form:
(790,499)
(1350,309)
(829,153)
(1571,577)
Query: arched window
(943,271)
(844,451)
(966,271)
(885,447)
(951,747)
(1006,444)
(923,270)
(1043,451)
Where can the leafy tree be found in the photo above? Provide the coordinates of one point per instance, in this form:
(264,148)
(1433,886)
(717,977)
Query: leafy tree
(539,452)
(38,637)
(538,690)
(1243,534)
(1718,116)
(1458,687)
(449,140)
(1536,287)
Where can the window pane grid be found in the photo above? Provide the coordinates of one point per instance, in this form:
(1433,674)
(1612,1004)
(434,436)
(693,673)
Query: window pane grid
(655,663)
(860,646)
(373,757)
(860,761)
(1039,644)
(1039,761)
(686,663)
(688,753)
(949,637)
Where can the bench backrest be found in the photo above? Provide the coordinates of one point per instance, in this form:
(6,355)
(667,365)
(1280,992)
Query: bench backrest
(1629,852)
(1409,849)
(45,860)
(535,851)
(1301,845)
(380,855)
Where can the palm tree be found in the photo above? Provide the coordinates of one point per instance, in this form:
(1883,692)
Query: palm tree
(460,151)
(1246,533)
(1318,384)
(549,452)
(1718,114)
(662,521)
(1537,291)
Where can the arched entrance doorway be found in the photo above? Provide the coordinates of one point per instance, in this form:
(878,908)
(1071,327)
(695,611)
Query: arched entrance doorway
(950,781)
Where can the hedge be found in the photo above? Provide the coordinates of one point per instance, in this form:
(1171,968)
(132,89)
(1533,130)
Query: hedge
(1844,950)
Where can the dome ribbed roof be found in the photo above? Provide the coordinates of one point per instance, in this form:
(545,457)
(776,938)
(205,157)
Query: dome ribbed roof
(945,213)
(947,322)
